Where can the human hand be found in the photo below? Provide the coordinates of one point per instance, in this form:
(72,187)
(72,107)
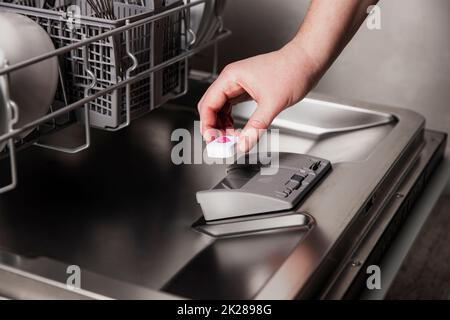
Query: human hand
(274,81)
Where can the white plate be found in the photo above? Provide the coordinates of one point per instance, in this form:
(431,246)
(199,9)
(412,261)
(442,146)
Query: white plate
(32,88)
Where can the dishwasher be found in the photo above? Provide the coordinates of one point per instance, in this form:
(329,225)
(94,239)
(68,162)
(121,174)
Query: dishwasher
(92,185)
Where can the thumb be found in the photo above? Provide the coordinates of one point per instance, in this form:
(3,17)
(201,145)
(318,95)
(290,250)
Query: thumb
(258,123)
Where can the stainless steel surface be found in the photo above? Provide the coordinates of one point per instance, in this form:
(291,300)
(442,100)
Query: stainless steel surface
(42,278)
(307,128)
(114,209)
(412,176)
(148,247)
(411,230)
(311,117)
(253,225)
(102,210)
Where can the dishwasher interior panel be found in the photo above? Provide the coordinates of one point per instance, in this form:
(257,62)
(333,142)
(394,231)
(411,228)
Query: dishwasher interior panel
(123,211)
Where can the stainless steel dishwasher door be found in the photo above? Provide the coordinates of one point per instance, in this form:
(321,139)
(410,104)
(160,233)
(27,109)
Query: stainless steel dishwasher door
(123,211)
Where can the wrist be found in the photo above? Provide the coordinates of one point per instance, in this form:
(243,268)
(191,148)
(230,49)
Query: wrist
(309,68)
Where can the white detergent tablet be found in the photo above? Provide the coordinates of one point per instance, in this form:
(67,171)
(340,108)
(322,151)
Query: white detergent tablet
(222,147)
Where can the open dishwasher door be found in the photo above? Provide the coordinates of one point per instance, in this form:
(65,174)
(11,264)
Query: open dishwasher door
(128,217)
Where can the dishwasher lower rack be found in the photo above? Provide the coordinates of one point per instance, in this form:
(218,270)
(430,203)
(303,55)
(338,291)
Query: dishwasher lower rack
(109,58)
(143,63)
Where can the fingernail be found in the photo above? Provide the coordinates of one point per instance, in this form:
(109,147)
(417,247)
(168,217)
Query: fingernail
(210,134)
(211,138)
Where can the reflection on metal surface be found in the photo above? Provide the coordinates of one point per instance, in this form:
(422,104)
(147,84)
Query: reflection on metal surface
(255,224)
(234,267)
(319,118)
(327,130)
(102,210)
(43,278)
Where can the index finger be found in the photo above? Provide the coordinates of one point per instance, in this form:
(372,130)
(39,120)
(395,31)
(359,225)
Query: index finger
(214,99)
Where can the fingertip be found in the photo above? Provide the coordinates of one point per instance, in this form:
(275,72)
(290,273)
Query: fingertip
(211,134)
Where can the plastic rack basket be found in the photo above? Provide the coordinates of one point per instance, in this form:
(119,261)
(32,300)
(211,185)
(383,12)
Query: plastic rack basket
(71,21)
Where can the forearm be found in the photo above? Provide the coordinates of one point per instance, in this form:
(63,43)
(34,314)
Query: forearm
(327,28)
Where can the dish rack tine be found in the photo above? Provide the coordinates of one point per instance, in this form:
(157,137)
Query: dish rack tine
(188,45)
(12,159)
(63,89)
(193,36)
(185,80)
(87,130)
(13,115)
(127,76)
(187,23)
